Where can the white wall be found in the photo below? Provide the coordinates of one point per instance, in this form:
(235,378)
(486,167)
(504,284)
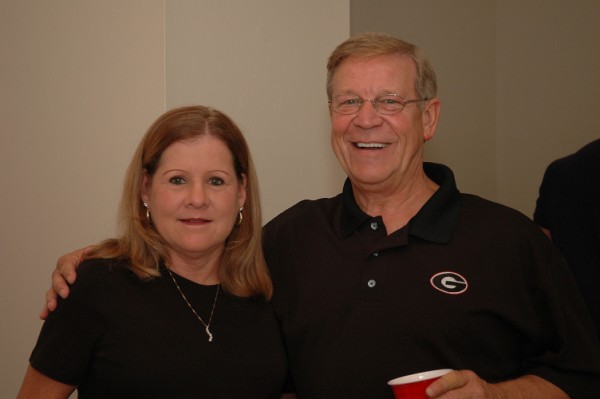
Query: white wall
(80,81)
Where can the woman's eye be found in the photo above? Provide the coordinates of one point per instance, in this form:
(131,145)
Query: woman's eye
(215,181)
(177,180)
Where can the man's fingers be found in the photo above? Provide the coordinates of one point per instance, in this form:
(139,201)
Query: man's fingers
(44,313)
(88,249)
(59,286)
(63,275)
(51,300)
(50,306)
(447,382)
(66,267)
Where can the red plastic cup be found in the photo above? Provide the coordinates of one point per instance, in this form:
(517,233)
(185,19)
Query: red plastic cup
(413,386)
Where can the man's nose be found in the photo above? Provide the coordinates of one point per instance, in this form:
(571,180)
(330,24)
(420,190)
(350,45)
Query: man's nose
(367,115)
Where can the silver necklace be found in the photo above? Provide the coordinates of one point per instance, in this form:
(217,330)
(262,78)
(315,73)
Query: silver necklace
(206,325)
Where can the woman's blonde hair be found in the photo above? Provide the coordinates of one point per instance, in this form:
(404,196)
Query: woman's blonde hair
(243,271)
(371,44)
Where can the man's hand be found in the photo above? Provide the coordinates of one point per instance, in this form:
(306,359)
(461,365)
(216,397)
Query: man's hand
(460,384)
(64,274)
(466,384)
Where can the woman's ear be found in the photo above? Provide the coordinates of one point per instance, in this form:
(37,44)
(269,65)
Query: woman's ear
(145,187)
(242,191)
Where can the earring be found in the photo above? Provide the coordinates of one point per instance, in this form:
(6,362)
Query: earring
(147,213)
(240,217)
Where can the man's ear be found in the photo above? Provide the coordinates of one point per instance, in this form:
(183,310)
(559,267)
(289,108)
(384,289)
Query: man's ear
(430,116)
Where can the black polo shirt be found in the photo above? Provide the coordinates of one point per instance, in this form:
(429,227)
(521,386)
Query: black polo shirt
(467,284)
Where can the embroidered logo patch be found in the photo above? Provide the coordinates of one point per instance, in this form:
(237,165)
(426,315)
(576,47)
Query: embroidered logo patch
(449,283)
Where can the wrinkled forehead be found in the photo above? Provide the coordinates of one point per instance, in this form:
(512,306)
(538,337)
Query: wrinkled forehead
(389,73)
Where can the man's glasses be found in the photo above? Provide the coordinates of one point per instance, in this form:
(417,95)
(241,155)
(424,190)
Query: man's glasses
(385,105)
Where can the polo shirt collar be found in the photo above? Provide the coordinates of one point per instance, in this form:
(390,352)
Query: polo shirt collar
(436,221)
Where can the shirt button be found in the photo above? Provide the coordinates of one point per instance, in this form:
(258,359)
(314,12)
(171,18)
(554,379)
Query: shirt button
(374,226)
(371,283)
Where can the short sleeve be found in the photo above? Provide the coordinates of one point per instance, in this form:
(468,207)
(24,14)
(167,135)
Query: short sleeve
(65,346)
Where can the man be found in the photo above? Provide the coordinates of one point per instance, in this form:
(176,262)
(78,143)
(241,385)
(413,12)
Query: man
(401,273)
(568,210)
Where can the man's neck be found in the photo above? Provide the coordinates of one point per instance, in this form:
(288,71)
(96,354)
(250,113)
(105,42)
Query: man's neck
(397,203)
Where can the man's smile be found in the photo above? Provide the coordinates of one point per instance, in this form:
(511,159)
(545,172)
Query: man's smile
(370,145)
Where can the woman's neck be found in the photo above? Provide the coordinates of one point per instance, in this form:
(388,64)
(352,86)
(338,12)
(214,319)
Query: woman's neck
(199,269)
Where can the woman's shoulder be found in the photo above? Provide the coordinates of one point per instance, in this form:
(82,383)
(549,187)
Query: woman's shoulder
(96,271)
(101,265)
(100,279)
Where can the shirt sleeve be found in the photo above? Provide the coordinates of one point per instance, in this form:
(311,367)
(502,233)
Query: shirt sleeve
(571,359)
(65,346)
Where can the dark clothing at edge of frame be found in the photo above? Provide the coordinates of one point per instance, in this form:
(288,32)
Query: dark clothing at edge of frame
(467,284)
(569,206)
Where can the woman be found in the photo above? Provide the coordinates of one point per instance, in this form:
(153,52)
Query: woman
(177,306)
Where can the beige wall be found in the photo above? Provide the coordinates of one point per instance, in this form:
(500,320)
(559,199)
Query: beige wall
(80,81)
(548,89)
(518,83)
(269,74)
(456,37)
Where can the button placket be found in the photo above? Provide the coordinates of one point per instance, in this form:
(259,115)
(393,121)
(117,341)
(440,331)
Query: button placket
(370,277)
(375,231)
